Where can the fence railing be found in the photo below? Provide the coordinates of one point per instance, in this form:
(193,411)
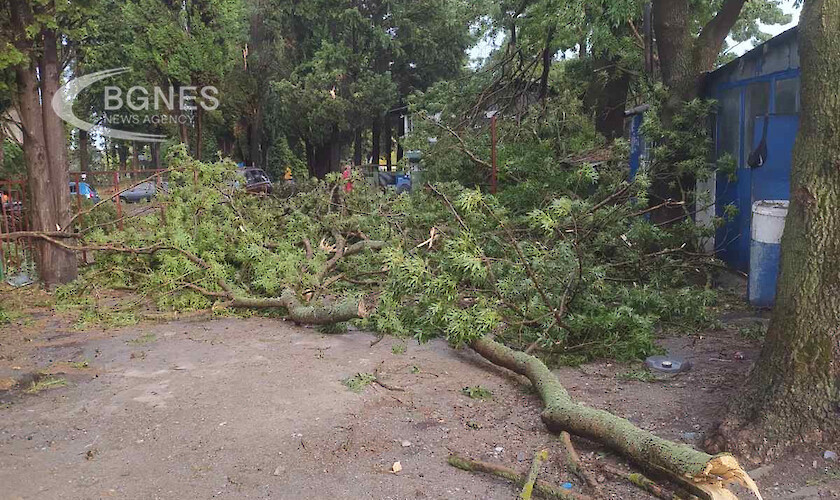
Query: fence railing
(17,255)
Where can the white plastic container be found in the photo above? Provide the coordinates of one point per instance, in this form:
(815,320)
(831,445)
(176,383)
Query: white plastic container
(768,224)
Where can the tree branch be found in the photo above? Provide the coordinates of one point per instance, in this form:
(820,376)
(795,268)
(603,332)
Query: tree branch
(716,30)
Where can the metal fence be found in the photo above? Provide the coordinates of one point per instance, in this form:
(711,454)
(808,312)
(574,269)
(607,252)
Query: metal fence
(17,256)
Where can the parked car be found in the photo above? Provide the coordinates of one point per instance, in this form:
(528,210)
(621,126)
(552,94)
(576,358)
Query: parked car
(143,191)
(85,191)
(256,180)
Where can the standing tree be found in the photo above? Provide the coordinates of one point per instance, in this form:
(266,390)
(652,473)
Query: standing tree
(690,36)
(792,393)
(31,33)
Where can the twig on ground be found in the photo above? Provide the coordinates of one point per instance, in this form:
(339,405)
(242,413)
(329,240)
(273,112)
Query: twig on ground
(543,488)
(378,381)
(574,463)
(642,482)
(533,472)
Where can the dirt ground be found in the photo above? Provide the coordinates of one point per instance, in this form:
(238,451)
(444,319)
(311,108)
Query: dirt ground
(256,408)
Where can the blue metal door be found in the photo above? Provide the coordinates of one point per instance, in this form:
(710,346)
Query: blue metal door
(771,181)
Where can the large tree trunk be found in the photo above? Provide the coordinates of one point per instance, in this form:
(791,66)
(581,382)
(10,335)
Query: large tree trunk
(606,96)
(358,154)
(335,151)
(388,141)
(198,132)
(122,152)
(792,393)
(255,138)
(64,261)
(547,56)
(321,161)
(40,209)
(135,156)
(683,59)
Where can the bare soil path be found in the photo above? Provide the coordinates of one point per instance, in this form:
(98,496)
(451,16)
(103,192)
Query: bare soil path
(256,408)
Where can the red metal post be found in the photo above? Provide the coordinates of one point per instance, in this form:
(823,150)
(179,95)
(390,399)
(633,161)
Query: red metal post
(26,243)
(4,227)
(493,153)
(117,198)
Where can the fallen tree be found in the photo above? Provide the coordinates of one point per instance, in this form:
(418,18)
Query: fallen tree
(573,278)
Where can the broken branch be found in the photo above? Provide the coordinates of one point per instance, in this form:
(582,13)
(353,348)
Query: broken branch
(708,474)
(573,461)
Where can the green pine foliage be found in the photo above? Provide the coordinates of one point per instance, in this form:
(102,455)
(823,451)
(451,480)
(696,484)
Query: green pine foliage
(580,275)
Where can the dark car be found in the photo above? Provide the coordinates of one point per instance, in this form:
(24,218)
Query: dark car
(85,191)
(256,181)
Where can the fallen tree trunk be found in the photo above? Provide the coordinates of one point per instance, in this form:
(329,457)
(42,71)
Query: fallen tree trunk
(704,475)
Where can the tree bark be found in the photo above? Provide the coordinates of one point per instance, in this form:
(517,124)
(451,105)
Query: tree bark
(47,186)
(358,154)
(792,394)
(388,141)
(155,147)
(376,130)
(606,96)
(344,310)
(683,58)
(41,202)
(255,138)
(135,156)
(547,56)
(122,152)
(64,262)
(198,132)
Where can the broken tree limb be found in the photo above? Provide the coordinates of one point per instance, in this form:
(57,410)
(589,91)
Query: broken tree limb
(708,475)
(543,488)
(343,310)
(16,235)
(573,462)
(528,489)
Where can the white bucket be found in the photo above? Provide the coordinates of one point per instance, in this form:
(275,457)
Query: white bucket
(768,221)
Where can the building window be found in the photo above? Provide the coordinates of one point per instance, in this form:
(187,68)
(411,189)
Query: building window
(728,118)
(756,105)
(787,96)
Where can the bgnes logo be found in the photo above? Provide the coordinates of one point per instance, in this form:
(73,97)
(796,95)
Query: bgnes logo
(138,99)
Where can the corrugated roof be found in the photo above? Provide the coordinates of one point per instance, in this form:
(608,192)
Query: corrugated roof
(758,49)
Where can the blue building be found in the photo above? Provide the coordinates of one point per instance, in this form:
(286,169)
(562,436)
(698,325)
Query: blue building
(758,96)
